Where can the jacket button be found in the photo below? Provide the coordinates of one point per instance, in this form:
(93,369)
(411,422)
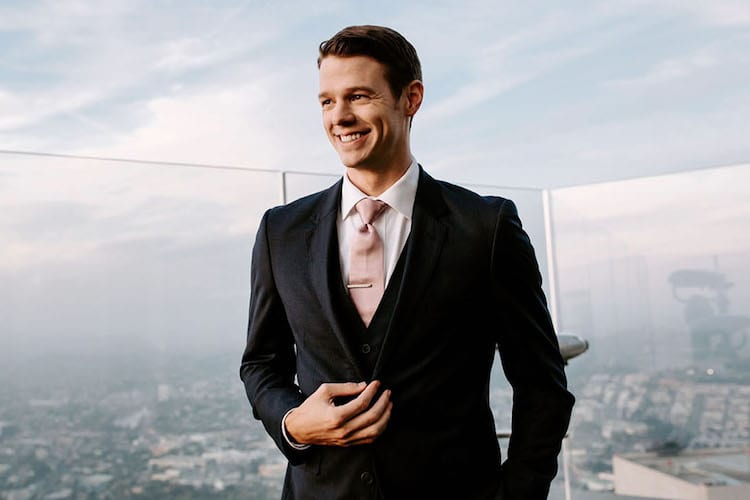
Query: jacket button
(366,348)
(366,478)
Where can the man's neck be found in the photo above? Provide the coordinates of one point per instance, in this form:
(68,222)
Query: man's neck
(376,182)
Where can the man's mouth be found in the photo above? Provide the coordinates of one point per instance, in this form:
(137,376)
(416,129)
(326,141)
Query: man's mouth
(345,138)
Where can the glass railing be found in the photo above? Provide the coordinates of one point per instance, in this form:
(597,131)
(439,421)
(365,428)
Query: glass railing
(655,273)
(123,311)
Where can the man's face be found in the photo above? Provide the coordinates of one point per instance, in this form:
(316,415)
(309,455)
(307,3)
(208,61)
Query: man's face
(367,125)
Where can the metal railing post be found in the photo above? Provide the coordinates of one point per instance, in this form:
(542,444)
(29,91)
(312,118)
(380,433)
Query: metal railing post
(283,187)
(566,477)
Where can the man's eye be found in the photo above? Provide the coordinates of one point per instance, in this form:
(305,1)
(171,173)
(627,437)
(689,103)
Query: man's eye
(358,97)
(325,102)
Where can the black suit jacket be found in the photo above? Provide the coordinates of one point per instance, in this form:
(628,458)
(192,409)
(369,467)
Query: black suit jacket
(470,284)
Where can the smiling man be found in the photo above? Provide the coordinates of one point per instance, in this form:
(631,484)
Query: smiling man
(377,304)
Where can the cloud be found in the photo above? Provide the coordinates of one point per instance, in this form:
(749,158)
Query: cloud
(210,126)
(671,70)
(73,67)
(716,62)
(24,109)
(188,53)
(732,13)
(723,14)
(504,59)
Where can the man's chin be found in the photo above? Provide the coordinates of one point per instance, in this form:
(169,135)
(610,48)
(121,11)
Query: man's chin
(350,162)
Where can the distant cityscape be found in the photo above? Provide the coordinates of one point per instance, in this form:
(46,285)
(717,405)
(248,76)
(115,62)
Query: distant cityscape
(662,411)
(181,428)
(190,435)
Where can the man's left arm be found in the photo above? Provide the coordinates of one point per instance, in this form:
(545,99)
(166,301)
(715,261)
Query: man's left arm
(268,362)
(531,361)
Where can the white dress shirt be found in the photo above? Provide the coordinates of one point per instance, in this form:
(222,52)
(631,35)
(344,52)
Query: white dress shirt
(393,227)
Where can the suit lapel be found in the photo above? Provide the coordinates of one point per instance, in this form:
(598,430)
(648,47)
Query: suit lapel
(322,241)
(422,252)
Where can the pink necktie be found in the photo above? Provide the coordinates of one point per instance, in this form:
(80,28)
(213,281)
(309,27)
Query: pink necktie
(366,263)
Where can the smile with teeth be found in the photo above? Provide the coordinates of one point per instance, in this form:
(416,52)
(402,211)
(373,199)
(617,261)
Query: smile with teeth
(351,137)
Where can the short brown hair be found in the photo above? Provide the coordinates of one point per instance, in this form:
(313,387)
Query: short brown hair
(385,45)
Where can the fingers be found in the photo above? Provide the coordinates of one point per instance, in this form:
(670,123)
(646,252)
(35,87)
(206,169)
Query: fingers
(332,390)
(369,414)
(366,426)
(361,403)
(368,434)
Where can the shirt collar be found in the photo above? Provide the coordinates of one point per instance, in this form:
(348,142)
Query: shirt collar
(400,196)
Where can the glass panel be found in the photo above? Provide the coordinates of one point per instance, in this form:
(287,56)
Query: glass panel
(655,273)
(123,311)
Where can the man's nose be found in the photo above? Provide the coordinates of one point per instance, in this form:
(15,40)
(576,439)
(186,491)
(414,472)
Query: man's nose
(342,113)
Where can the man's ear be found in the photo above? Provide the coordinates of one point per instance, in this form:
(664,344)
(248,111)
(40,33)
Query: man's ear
(414,92)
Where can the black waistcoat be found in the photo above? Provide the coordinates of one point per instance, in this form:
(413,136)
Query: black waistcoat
(369,340)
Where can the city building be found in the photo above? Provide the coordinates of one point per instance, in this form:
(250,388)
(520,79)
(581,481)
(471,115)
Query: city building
(710,474)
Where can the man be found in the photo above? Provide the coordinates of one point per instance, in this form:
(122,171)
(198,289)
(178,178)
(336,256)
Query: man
(373,324)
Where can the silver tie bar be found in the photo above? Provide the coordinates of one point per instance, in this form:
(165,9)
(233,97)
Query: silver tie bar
(359,285)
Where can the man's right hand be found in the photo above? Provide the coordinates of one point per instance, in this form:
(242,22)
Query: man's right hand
(319,421)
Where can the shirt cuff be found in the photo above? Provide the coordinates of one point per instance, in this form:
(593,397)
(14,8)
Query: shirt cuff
(289,441)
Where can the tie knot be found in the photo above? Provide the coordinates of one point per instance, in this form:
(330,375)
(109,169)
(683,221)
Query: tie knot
(369,209)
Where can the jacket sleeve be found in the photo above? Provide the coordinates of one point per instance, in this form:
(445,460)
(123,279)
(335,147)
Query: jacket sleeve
(531,361)
(268,363)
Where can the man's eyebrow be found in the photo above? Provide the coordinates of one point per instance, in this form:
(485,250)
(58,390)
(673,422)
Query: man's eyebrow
(361,89)
(352,90)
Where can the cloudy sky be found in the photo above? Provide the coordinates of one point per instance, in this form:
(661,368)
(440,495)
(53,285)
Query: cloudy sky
(534,93)
(526,94)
